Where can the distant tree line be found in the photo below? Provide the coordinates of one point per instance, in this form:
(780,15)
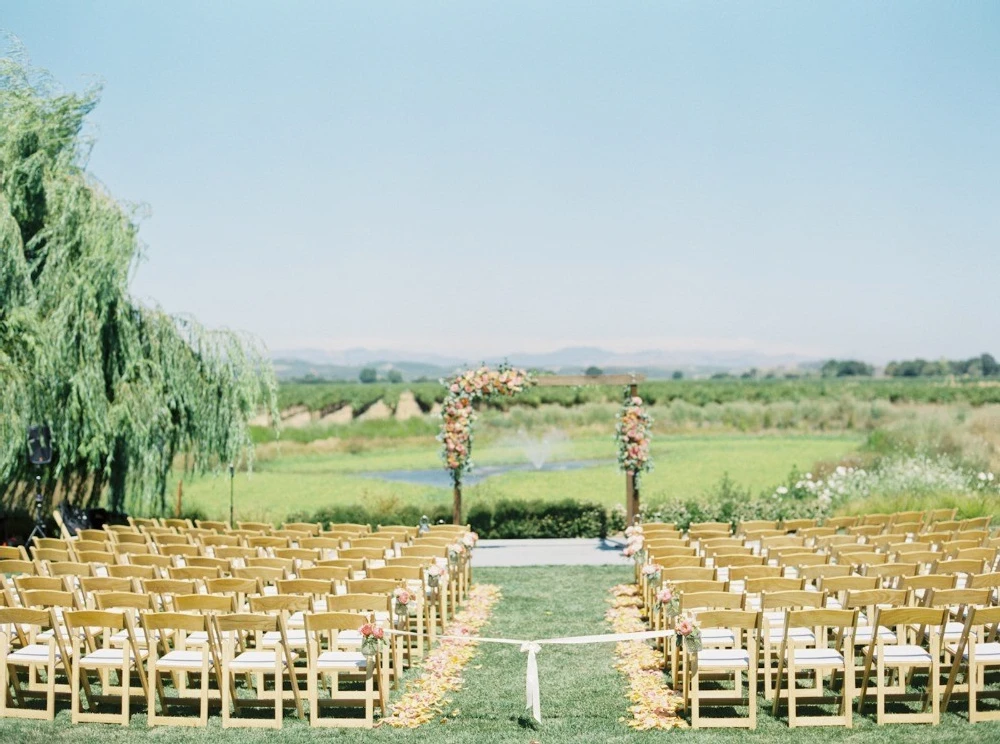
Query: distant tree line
(368,375)
(983,365)
(846,368)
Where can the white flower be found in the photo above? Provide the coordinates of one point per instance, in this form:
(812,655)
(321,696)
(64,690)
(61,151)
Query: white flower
(782,490)
(809,476)
(989,476)
(841,470)
(982,476)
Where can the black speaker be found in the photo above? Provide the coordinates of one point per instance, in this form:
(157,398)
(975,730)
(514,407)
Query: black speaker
(39,445)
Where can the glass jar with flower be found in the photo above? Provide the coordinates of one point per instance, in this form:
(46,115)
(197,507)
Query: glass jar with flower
(372,638)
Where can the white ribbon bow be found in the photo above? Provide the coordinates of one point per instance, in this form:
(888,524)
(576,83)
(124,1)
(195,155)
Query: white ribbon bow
(533,694)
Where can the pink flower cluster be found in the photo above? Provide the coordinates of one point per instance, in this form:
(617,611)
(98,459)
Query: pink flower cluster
(651,569)
(633,434)
(370,630)
(634,545)
(457,412)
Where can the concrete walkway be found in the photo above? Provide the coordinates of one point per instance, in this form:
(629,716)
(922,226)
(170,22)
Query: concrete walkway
(554,552)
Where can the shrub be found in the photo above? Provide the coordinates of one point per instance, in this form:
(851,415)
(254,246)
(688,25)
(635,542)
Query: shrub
(504,520)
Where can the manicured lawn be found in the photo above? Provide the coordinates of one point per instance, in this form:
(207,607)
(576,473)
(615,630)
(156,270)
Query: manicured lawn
(298,479)
(582,694)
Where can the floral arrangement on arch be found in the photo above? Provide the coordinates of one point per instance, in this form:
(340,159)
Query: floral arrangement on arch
(633,434)
(635,544)
(458,414)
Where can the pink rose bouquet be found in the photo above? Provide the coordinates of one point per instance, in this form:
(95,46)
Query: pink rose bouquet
(667,600)
(372,637)
(689,634)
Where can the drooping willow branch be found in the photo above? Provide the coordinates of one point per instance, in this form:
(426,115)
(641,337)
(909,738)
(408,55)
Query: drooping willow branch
(126,388)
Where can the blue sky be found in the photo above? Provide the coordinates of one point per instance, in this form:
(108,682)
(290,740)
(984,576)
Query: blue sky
(487,177)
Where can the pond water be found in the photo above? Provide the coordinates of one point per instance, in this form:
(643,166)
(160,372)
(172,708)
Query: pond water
(441,477)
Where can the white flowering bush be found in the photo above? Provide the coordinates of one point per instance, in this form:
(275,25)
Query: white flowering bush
(808,495)
(915,475)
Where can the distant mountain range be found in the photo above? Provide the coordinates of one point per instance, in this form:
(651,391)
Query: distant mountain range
(347,364)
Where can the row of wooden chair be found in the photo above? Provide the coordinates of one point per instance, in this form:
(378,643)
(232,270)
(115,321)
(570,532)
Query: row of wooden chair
(231,648)
(773,607)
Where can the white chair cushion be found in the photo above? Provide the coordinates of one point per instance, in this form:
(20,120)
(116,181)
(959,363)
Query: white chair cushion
(341,660)
(723,658)
(818,657)
(296,639)
(863,636)
(180,660)
(905,655)
(717,636)
(34,654)
(109,657)
(254,660)
(986,653)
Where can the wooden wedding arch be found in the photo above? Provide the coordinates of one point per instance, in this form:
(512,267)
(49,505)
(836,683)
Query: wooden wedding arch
(631,480)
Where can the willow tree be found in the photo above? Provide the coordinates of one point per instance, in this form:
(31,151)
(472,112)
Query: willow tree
(127,389)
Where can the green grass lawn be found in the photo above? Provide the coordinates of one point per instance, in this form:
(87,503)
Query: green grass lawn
(296,480)
(582,695)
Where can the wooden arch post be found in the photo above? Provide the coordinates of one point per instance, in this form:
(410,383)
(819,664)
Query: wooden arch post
(631,486)
(631,489)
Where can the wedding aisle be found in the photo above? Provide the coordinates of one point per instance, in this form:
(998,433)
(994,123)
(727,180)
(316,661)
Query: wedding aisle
(583,696)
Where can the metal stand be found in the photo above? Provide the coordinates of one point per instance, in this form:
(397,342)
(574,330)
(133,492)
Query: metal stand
(39,530)
(232,476)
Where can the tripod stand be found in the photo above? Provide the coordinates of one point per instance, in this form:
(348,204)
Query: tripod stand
(39,530)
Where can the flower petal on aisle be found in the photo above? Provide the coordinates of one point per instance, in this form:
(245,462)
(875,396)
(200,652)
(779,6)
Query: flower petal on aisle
(424,697)
(654,705)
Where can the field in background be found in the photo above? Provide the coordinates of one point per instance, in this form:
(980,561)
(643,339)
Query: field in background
(329,396)
(754,432)
(298,479)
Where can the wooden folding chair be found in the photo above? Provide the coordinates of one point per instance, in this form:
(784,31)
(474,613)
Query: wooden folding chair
(133,572)
(902,658)
(240,631)
(739,659)
(85,626)
(820,660)
(836,588)
(287,606)
(868,602)
(183,659)
(975,651)
(694,604)
(331,661)
(33,655)
(813,574)
(920,586)
(239,589)
(798,525)
(774,608)
(890,574)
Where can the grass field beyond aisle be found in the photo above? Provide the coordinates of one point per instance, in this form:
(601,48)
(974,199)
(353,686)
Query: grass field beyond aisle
(685,466)
(582,694)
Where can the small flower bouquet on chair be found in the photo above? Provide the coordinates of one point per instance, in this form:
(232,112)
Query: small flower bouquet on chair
(401,606)
(372,638)
(689,634)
